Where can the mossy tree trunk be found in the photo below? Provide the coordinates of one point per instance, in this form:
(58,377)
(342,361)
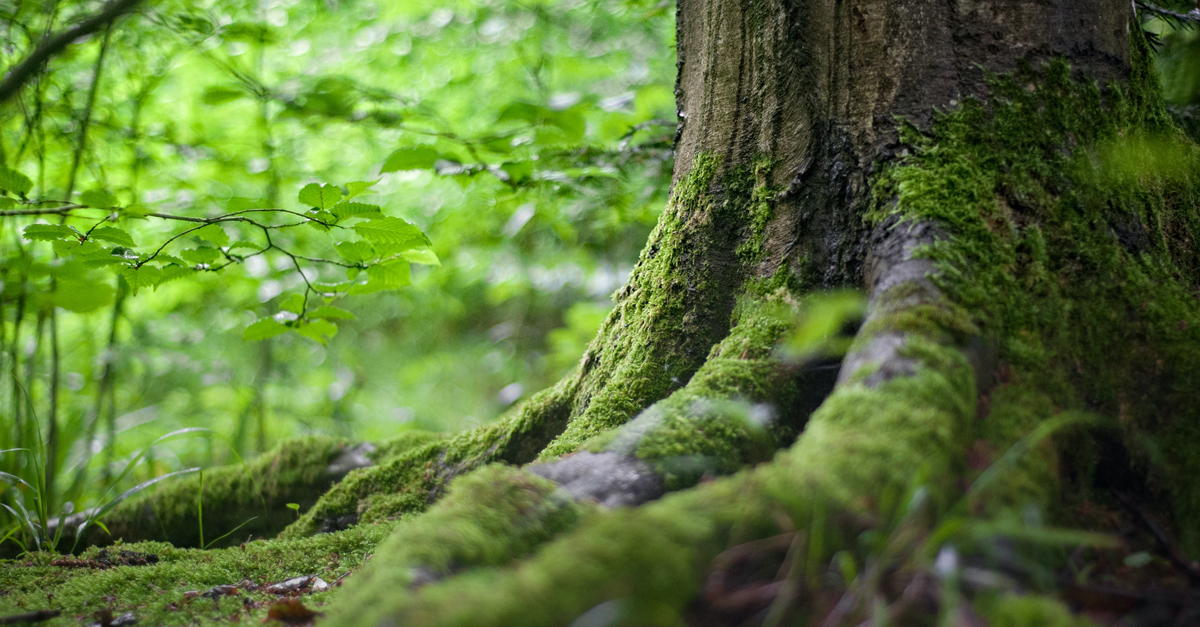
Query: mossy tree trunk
(1000,177)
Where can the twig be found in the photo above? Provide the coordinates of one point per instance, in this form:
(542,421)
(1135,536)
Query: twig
(31,617)
(1192,16)
(55,43)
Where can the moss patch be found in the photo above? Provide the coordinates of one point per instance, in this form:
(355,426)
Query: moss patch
(157,593)
(414,477)
(1073,213)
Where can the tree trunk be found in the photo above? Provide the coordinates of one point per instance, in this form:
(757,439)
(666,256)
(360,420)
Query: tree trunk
(1002,180)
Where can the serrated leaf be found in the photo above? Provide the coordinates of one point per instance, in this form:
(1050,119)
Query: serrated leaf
(333,288)
(213,233)
(355,252)
(243,244)
(356,188)
(15,182)
(50,232)
(385,276)
(145,276)
(391,231)
(114,235)
(320,196)
(319,330)
(81,296)
(330,312)
(345,210)
(414,158)
(79,250)
(171,273)
(422,256)
(264,328)
(293,303)
(220,95)
(169,259)
(98,198)
(200,255)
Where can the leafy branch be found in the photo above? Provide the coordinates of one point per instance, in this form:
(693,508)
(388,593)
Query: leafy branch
(384,247)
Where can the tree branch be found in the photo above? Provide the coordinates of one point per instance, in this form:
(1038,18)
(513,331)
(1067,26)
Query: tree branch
(55,43)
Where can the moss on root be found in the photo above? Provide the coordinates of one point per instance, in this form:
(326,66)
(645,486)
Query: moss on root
(738,409)
(1074,228)
(410,480)
(254,497)
(863,441)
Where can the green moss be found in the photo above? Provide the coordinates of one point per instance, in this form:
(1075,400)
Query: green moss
(736,410)
(489,517)
(403,443)
(254,496)
(1074,220)
(157,593)
(1030,610)
(411,479)
(661,329)
(862,442)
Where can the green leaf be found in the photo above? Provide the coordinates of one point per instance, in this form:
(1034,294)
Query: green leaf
(7,203)
(243,244)
(220,95)
(81,296)
(249,32)
(200,255)
(523,111)
(145,276)
(98,198)
(293,303)
(345,210)
(213,233)
(518,171)
(358,187)
(264,328)
(423,256)
(171,273)
(381,277)
(321,219)
(355,252)
(15,182)
(391,231)
(114,235)
(330,312)
(319,330)
(50,232)
(320,196)
(415,158)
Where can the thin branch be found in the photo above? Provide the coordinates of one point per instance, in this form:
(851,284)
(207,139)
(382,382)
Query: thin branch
(54,44)
(1192,16)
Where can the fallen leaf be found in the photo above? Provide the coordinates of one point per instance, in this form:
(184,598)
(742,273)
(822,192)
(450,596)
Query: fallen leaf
(292,612)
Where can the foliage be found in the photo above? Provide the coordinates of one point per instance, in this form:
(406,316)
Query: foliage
(208,209)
